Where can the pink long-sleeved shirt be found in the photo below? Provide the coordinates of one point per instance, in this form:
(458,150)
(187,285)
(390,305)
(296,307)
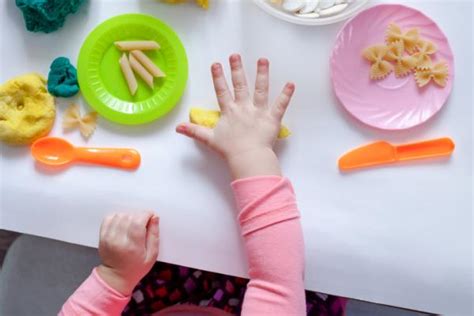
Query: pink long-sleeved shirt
(270,225)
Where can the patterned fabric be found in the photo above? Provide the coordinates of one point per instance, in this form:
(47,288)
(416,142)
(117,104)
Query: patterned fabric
(324,305)
(166,285)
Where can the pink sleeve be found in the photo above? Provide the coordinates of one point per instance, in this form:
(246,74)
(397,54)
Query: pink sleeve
(271,229)
(94,297)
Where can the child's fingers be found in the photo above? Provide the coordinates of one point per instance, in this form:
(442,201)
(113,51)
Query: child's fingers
(199,133)
(118,229)
(224,97)
(153,239)
(113,224)
(260,97)
(241,89)
(105,226)
(122,224)
(138,223)
(283,100)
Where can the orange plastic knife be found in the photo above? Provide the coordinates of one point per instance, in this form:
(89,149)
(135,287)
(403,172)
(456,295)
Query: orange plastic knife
(379,153)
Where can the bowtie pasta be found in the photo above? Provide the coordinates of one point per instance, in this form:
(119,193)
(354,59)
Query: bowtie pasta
(403,63)
(438,72)
(409,53)
(380,67)
(410,38)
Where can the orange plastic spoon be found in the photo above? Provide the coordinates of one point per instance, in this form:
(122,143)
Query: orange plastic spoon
(383,153)
(57,152)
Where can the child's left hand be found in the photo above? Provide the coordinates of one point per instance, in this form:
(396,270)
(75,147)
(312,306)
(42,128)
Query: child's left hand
(128,248)
(248,126)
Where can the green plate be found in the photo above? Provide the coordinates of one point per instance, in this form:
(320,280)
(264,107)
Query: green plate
(101,80)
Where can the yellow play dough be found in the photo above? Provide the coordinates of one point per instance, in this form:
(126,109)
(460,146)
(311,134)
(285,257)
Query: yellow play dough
(27,110)
(209,118)
(202,3)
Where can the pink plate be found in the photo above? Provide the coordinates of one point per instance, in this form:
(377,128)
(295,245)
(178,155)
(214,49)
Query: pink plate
(392,103)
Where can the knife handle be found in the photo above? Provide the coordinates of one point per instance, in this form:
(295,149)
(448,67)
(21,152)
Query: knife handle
(426,149)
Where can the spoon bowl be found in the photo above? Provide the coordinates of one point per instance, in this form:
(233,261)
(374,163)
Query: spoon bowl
(53,151)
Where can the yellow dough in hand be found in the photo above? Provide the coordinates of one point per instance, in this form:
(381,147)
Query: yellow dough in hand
(209,118)
(27,110)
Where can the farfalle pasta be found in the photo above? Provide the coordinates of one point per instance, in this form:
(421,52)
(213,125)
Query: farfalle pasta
(73,119)
(403,63)
(380,67)
(424,50)
(410,39)
(438,72)
(408,52)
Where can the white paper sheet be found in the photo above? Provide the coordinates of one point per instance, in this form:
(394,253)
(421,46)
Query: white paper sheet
(400,235)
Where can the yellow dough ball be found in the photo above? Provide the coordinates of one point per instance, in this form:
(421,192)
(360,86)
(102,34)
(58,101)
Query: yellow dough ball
(27,110)
(209,118)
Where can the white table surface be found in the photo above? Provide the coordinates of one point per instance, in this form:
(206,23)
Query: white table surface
(400,235)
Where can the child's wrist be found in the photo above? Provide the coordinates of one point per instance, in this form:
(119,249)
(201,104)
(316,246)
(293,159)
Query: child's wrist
(251,163)
(115,281)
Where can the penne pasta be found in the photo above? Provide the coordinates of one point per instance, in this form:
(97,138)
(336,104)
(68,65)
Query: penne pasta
(148,64)
(128,74)
(141,71)
(137,45)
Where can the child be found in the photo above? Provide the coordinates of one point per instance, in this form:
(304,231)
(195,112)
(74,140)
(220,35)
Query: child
(268,214)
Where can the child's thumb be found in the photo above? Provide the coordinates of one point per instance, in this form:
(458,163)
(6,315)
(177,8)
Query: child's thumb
(197,132)
(153,239)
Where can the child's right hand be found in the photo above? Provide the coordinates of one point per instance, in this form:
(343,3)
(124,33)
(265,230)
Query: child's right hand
(128,248)
(248,127)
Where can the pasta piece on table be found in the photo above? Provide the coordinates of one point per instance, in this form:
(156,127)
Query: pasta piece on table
(86,123)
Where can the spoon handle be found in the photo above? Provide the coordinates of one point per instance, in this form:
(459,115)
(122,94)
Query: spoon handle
(112,157)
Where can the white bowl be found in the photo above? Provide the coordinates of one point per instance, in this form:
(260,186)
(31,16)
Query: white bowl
(272,9)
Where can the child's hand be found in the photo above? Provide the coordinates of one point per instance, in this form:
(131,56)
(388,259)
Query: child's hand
(128,248)
(248,126)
